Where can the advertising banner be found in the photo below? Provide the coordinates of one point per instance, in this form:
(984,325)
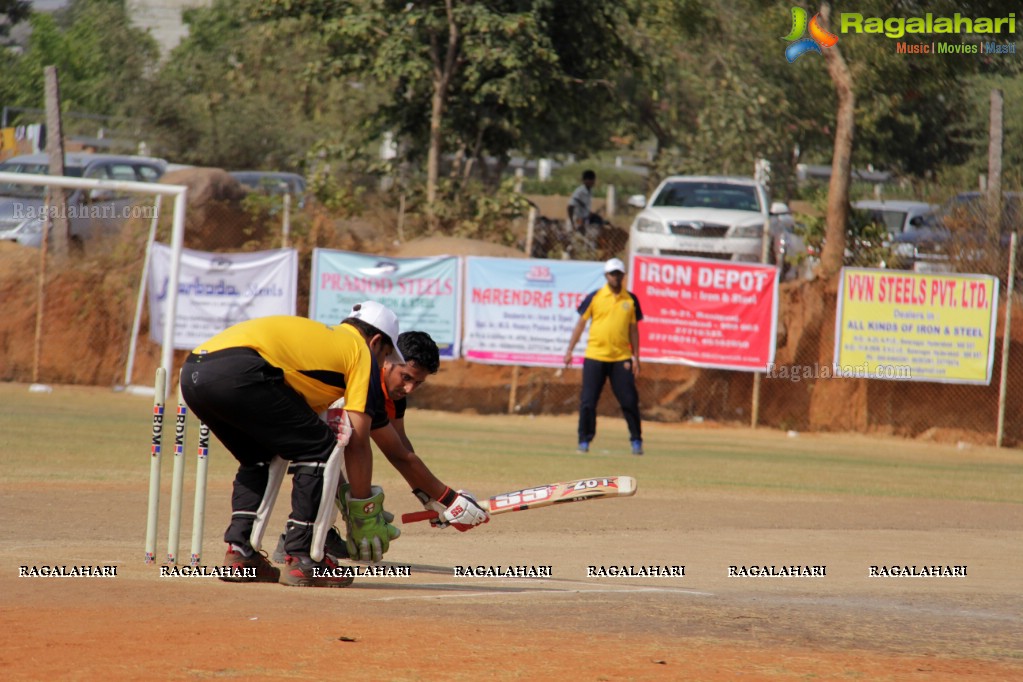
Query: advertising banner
(423,292)
(706,313)
(217,290)
(916,327)
(522,311)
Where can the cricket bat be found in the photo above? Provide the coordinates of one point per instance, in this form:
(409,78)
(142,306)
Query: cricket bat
(547,495)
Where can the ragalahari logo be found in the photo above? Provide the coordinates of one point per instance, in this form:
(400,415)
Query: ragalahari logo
(818,36)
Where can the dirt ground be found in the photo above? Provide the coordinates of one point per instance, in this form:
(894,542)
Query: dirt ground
(434,625)
(701,627)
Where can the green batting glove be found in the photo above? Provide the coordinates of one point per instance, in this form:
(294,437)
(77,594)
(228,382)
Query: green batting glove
(342,495)
(369,534)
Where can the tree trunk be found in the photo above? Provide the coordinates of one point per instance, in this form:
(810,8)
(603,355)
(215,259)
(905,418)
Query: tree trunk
(841,161)
(443,68)
(433,155)
(996,130)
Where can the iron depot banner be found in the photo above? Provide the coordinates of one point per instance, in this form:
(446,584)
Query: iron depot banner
(423,292)
(916,327)
(522,311)
(217,290)
(706,313)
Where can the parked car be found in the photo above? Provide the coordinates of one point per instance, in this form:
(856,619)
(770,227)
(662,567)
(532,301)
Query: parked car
(956,237)
(905,223)
(273,183)
(712,217)
(90,212)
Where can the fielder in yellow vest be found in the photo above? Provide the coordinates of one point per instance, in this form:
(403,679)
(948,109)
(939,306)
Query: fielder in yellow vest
(611,353)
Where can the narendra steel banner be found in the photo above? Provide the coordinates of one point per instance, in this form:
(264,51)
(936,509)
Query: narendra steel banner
(706,313)
(522,312)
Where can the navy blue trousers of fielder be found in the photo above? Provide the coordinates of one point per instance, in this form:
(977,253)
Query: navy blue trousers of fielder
(623,384)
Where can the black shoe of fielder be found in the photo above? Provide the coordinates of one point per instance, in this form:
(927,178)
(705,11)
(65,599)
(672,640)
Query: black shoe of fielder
(249,569)
(304,572)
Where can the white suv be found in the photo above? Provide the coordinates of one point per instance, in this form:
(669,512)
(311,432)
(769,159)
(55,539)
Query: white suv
(710,217)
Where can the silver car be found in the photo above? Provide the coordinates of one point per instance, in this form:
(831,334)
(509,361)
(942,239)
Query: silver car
(90,212)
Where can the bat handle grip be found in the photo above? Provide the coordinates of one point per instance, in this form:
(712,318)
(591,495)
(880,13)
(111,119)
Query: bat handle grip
(412,517)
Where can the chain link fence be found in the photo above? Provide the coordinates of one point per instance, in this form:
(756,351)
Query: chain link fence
(799,394)
(90,300)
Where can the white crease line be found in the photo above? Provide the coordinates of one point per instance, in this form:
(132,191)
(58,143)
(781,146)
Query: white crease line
(546,591)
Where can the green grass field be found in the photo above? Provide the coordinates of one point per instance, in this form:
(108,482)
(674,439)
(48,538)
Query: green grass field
(97,435)
(75,477)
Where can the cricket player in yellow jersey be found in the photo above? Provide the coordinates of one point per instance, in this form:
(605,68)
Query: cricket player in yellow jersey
(456,508)
(612,352)
(398,381)
(260,386)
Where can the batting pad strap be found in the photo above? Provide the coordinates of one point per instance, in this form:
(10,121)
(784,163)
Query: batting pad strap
(327,513)
(274,478)
(305,465)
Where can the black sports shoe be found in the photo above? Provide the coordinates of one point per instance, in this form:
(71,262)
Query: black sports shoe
(262,570)
(335,546)
(304,572)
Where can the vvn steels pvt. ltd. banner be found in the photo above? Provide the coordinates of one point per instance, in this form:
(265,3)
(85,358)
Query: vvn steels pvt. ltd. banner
(916,327)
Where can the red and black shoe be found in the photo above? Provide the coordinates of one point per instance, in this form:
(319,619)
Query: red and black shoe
(302,571)
(249,569)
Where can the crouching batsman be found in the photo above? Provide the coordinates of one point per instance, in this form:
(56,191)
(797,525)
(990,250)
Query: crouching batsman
(260,386)
(387,405)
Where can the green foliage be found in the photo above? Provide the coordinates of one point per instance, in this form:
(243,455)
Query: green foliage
(473,210)
(13,12)
(865,239)
(312,85)
(101,59)
(522,75)
(238,94)
(564,180)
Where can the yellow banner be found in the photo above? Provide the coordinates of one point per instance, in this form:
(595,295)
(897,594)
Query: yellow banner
(916,327)
(8,143)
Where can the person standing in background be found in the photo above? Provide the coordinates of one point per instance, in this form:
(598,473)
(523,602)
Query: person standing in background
(612,352)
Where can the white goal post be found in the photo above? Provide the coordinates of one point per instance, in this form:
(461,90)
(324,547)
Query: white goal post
(179,193)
